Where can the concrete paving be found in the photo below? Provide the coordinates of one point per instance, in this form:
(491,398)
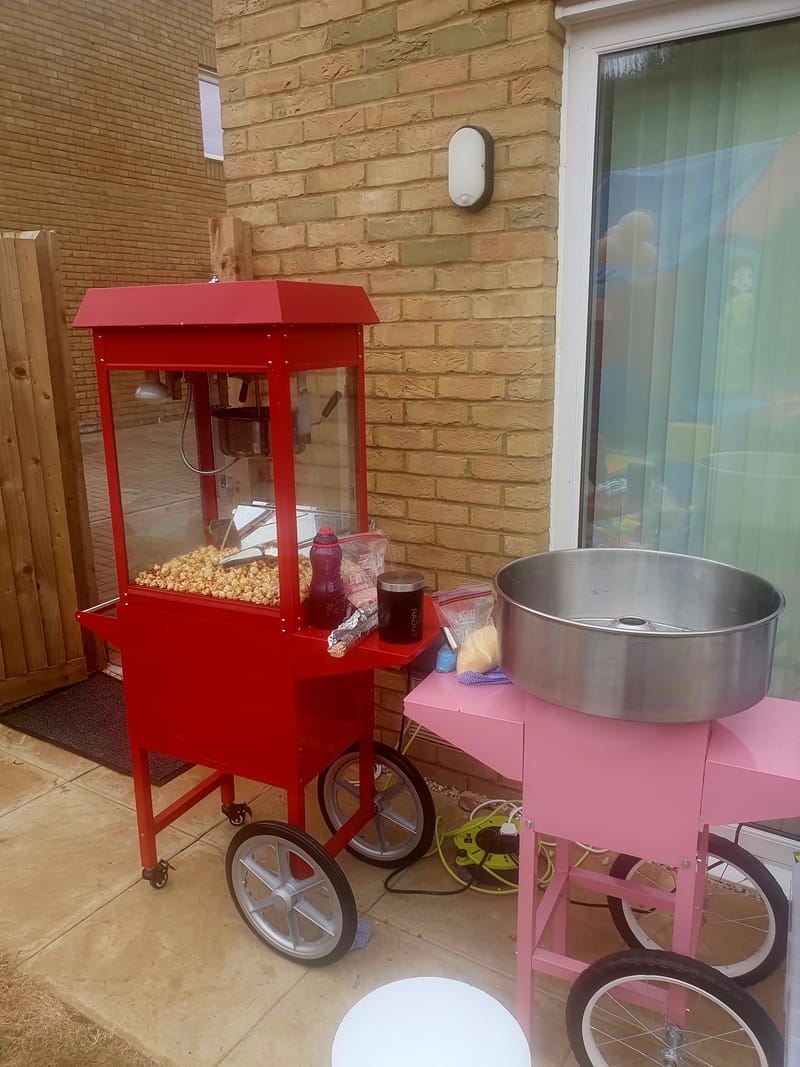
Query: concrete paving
(177,974)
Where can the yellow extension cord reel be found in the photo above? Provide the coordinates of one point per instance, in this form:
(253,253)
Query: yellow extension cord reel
(487,851)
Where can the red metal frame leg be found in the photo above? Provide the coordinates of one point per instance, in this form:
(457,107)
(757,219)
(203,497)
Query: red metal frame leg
(296,806)
(526,922)
(366,790)
(227,789)
(144,807)
(366,771)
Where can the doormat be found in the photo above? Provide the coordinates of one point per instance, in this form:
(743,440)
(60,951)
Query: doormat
(89,720)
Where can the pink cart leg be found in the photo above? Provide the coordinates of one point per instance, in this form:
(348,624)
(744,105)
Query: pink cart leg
(689,896)
(560,915)
(526,922)
(700,887)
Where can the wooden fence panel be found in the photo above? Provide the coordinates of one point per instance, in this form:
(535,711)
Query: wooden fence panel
(46,569)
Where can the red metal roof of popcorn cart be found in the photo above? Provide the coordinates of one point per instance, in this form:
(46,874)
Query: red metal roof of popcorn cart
(225,304)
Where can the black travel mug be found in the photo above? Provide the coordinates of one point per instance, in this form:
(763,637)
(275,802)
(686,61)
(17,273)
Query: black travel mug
(400,600)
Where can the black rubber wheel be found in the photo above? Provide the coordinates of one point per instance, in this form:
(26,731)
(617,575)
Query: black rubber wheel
(160,880)
(405,818)
(606,1029)
(291,893)
(758,938)
(237,814)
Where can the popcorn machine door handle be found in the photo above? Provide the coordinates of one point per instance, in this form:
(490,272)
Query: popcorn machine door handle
(99,622)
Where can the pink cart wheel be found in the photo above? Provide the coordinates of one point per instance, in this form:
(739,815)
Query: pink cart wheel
(718,1025)
(745,915)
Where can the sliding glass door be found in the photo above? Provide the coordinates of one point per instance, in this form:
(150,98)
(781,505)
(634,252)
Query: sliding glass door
(692,424)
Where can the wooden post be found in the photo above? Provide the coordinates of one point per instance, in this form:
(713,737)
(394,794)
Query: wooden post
(46,566)
(67,423)
(231,249)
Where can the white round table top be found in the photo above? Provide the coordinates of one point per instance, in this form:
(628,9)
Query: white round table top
(429,1022)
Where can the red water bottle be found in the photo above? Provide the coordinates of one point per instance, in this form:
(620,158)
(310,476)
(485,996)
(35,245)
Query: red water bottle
(327,603)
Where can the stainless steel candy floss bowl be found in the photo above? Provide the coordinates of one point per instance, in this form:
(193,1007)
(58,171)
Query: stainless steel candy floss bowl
(635,634)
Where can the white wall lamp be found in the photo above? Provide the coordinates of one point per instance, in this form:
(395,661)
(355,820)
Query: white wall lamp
(470,167)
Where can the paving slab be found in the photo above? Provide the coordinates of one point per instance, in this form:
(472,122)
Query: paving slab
(21,782)
(174,971)
(65,854)
(478,925)
(301,1028)
(63,764)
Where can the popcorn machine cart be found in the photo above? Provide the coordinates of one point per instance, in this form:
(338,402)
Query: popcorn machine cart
(259,444)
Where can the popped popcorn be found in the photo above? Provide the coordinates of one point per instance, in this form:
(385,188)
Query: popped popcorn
(199,572)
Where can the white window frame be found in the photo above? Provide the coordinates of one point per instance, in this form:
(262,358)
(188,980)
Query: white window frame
(210,77)
(595,28)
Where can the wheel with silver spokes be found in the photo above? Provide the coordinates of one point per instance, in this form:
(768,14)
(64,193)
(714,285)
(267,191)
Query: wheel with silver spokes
(291,893)
(401,829)
(745,912)
(638,1008)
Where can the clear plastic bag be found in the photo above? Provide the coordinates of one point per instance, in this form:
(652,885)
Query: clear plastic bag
(363,559)
(464,610)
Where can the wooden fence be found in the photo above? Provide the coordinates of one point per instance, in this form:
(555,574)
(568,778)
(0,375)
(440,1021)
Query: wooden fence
(46,568)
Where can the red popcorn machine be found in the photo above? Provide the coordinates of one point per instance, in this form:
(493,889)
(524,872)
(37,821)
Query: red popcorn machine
(261,445)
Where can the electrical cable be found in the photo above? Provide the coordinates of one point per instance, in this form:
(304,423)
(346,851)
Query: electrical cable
(410,741)
(186,463)
(505,887)
(429,892)
(403,720)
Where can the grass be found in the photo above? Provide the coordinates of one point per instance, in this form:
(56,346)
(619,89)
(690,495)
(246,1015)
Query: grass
(37,1029)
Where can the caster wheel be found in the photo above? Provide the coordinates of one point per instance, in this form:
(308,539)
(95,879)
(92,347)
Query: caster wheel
(157,876)
(237,813)
(745,915)
(402,829)
(702,1017)
(291,893)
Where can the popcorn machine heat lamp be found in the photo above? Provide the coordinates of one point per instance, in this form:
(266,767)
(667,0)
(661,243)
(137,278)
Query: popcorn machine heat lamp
(263,444)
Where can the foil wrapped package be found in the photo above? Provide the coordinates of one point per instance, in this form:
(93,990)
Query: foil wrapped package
(362,622)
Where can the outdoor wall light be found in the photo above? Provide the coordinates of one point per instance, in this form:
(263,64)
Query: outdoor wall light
(470,167)
(152,390)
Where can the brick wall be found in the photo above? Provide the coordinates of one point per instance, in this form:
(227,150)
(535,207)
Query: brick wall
(338,115)
(101,140)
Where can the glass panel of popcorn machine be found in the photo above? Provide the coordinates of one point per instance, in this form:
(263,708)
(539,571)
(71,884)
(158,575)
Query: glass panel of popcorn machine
(197,485)
(325,407)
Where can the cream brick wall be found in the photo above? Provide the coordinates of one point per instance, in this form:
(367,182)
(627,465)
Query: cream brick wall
(100,139)
(338,115)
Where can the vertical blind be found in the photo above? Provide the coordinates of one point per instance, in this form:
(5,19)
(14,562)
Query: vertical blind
(692,432)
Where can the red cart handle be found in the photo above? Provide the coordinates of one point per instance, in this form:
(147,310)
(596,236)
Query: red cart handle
(95,619)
